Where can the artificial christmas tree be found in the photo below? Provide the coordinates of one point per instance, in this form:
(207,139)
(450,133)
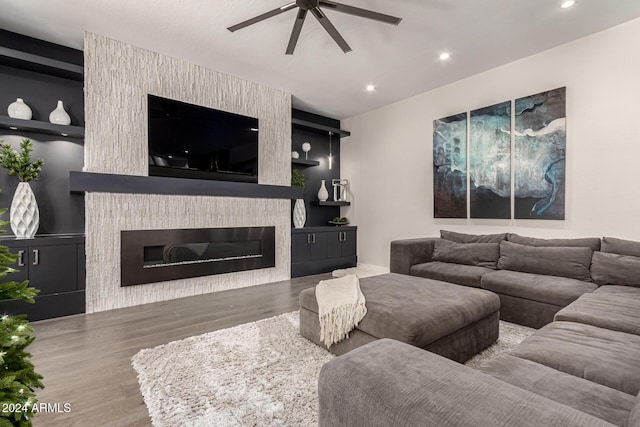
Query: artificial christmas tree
(18,378)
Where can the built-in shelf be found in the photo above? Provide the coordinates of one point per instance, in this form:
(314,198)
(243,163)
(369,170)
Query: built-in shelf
(303,162)
(80,182)
(41,64)
(322,128)
(331,203)
(41,127)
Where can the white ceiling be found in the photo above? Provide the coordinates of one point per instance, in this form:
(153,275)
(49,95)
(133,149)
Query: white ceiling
(401,61)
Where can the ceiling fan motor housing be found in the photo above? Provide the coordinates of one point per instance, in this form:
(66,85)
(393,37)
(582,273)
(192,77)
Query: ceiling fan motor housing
(307,4)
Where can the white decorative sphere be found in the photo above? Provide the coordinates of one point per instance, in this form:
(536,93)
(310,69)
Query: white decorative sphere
(306,147)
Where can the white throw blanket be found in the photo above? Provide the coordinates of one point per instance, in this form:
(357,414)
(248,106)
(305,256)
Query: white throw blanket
(341,306)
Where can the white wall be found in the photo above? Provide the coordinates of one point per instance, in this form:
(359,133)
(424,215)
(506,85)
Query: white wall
(388,158)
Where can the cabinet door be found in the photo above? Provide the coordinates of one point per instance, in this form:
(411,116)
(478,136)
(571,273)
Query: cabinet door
(299,247)
(349,239)
(23,270)
(334,245)
(53,269)
(318,246)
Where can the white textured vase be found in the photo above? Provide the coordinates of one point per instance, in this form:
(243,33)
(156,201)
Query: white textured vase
(59,116)
(19,110)
(299,214)
(323,194)
(24,215)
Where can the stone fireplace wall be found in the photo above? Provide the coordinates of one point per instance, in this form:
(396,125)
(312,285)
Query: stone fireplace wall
(118,78)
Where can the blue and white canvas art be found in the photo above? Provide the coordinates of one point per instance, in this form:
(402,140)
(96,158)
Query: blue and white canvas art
(540,155)
(490,162)
(450,167)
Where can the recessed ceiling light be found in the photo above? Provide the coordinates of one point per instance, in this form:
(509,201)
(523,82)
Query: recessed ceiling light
(13,128)
(444,56)
(567,4)
(64,134)
(371,88)
(254,129)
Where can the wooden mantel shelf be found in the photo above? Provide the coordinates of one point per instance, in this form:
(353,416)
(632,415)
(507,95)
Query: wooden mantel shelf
(90,182)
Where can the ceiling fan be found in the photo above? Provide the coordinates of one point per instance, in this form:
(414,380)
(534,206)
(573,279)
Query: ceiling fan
(313,6)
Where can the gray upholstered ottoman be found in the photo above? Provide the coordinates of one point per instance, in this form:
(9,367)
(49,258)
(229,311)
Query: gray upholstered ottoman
(453,321)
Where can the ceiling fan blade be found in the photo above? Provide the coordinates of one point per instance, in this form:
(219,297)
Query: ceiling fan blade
(328,26)
(295,33)
(363,13)
(262,17)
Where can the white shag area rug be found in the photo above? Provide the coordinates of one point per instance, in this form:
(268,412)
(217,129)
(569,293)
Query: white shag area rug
(257,374)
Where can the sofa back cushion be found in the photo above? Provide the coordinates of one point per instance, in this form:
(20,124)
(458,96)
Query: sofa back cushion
(479,254)
(620,246)
(472,238)
(588,242)
(615,269)
(571,262)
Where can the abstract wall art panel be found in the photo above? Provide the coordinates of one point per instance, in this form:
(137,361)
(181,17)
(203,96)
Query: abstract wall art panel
(540,149)
(490,162)
(450,167)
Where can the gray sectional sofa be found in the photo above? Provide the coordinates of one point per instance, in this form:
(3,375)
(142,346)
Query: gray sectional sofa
(534,278)
(581,369)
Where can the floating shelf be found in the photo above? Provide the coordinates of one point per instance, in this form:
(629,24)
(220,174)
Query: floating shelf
(41,64)
(324,129)
(80,182)
(303,162)
(41,127)
(331,203)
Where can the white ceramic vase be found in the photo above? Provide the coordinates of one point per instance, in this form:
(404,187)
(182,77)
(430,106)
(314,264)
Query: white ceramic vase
(24,215)
(299,214)
(19,110)
(323,194)
(59,116)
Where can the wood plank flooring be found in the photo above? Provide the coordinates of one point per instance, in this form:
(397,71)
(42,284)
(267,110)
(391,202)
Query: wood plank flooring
(86,359)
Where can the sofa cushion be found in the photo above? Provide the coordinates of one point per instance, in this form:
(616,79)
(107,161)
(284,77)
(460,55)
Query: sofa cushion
(627,291)
(607,357)
(587,242)
(467,275)
(559,291)
(615,269)
(554,261)
(387,383)
(472,238)
(586,396)
(478,254)
(609,311)
(634,416)
(620,246)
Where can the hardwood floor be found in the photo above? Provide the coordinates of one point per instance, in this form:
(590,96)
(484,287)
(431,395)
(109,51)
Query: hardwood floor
(86,359)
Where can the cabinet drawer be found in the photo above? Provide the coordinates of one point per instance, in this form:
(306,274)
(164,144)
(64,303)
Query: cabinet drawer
(47,306)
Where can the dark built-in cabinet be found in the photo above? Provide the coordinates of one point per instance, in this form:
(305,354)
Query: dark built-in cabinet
(56,266)
(316,250)
(54,261)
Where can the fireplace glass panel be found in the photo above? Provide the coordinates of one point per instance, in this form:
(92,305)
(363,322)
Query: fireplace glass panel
(150,256)
(191,253)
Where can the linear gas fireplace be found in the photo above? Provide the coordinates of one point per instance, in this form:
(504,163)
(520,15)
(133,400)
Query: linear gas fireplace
(150,256)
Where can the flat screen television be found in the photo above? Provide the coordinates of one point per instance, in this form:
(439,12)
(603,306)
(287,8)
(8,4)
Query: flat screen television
(191,141)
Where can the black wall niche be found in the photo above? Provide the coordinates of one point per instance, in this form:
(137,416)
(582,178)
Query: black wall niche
(60,211)
(317,215)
